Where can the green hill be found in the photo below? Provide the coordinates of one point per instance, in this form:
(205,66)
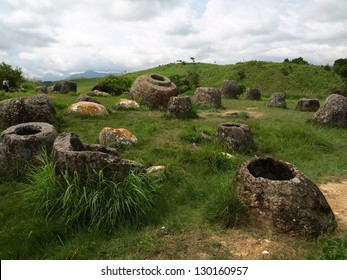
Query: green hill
(289,78)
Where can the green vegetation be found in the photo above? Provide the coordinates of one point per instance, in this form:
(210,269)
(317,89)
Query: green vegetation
(95,204)
(14,76)
(293,79)
(189,210)
(116,85)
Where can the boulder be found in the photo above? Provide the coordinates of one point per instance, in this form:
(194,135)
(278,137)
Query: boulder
(180,107)
(102,88)
(127,104)
(229,89)
(333,111)
(70,155)
(207,97)
(277,100)
(84,97)
(307,104)
(68,86)
(281,199)
(116,136)
(253,94)
(21,143)
(35,108)
(86,107)
(237,137)
(153,91)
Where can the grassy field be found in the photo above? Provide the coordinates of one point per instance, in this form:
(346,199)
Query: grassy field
(193,207)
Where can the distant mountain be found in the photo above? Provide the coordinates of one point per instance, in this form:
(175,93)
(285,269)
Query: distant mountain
(90,74)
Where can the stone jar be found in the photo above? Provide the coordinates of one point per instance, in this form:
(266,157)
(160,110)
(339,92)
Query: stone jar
(207,97)
(180,107)
(21,143)
(229,89)
(308,104)
(281,199)
(253,94)
(237,137)
(71,155)
(153,91)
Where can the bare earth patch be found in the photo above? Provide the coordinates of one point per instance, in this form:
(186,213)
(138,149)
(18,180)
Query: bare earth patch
(336,195)
(252,112)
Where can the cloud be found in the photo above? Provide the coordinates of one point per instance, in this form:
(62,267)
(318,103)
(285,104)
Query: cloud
(46,36)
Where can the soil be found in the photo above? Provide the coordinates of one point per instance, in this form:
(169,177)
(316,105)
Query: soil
(252,112)
(336,195)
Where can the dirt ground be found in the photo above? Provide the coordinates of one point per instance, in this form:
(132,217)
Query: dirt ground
(336,195)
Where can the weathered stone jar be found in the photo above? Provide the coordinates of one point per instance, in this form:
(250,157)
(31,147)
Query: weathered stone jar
(207,97)
(238,137)
(281,199)
(71,155)
(180,107)
(253,94)
(153,91)
(229,89)
(308,104)
(277,100)
(21,143)
(35,108)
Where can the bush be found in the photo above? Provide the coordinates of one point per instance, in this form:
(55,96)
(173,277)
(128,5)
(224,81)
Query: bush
(98,204)
(14,76)
(116,85)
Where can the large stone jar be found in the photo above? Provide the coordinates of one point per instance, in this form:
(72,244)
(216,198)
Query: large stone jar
(180,107)
(281,199)
(229,89)
(207,97)
(34,108)
(153,91)
(21,143)
(237,137)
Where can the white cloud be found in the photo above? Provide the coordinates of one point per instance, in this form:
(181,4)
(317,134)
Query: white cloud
(60,36)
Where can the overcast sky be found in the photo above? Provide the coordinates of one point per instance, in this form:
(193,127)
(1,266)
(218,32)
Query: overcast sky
(57,37)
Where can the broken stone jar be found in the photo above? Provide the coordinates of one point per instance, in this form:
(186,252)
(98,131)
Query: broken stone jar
(281,199)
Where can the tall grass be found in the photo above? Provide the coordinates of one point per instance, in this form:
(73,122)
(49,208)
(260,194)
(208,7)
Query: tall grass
(97,203)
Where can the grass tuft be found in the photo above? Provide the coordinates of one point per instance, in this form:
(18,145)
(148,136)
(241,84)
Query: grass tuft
(97,203)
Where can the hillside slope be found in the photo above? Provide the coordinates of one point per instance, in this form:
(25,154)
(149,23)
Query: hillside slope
(289,78)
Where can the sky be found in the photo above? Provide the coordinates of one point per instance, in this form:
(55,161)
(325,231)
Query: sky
(47,38)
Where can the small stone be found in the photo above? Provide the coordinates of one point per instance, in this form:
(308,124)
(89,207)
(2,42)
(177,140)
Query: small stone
(155,169)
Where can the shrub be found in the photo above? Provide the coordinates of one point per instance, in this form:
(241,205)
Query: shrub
(14,76)
(98,204)
(116,85)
